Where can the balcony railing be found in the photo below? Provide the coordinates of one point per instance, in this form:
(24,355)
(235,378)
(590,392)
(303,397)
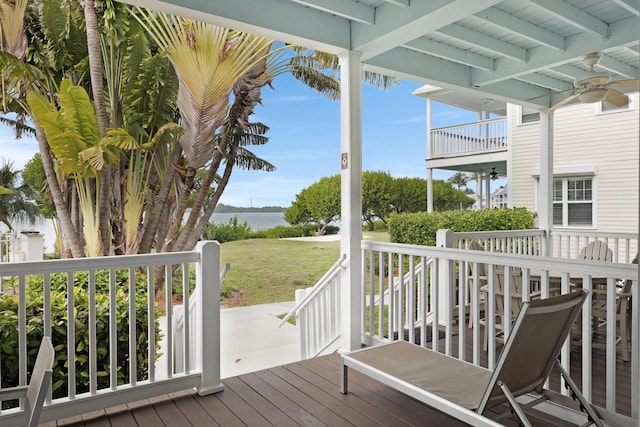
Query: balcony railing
(439,291)
(114,305)
(470,138)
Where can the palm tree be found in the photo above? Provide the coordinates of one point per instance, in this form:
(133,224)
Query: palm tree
(16,198)
(459,179)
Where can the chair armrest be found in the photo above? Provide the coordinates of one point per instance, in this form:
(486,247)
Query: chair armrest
(11,393)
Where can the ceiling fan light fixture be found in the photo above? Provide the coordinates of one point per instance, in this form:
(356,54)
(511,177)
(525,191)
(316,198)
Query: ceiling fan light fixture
(493,175)
(590,96)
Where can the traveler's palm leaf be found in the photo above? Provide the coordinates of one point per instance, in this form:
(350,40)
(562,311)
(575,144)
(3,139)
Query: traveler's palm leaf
(208,60)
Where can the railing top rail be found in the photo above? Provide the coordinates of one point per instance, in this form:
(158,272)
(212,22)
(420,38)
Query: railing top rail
(324,281)
(497,234)
(594,234)
(99,263)
(479,122)
(534,262)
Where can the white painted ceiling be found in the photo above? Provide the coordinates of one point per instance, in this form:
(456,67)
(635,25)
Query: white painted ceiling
(520,51)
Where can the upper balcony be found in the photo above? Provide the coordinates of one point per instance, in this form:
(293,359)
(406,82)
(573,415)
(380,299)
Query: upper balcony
(477,138)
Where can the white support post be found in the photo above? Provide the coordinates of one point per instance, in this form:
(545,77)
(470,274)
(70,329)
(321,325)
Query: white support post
(479,183)
(545,195)
(444,239)
(429,155)
(208,306)
(429,190)
(488,192)
(351,195)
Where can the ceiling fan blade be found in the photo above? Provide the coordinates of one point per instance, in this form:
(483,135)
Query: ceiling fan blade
(626,83)
(616,98)
(565,101)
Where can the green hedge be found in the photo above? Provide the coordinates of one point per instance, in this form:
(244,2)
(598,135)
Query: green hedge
(420,228)
(35,328)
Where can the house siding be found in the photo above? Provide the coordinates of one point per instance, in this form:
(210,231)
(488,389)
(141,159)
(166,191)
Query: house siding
(607,143)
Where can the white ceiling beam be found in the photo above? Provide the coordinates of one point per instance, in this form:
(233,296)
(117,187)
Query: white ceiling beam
(451,53)
(396,26)
(403,3)
(568,71)
(346,9)
(521,27)
(408,64)
(632,6)
(296,24)
(624,33)
(574,16)
(546,82)
(482,41)
(617,67)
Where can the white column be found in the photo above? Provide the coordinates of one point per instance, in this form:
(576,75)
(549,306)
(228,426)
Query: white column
(429,190)
(488,191)
(208,323)
(351,195)
(479,183)
(429,153)
(545,193)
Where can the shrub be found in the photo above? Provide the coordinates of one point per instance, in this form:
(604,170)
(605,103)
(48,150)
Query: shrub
(420,228)
(227,232)
(59,319)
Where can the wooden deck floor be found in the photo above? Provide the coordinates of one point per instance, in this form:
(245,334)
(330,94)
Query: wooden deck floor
(302,393)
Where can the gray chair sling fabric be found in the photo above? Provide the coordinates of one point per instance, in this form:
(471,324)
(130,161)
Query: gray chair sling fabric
(455,387)
(35,393)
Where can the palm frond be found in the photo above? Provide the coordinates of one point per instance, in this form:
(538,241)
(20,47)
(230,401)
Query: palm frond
(324,84)
(12,27)
(245,159)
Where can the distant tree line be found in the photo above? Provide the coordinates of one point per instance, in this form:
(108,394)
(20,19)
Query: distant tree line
(222,208)
(382,195)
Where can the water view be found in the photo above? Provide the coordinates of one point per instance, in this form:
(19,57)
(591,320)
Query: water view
(256,220)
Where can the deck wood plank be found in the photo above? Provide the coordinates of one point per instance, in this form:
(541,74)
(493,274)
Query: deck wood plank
(218,411)
(282,401)
(247,414)
(318,410)
(365,404)
(186,403)
(334,401)
(257,401)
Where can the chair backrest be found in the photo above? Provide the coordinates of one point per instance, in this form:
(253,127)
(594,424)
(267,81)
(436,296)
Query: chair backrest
(526,360)
(596,251)
(39,382)
(482,268)
(515,289)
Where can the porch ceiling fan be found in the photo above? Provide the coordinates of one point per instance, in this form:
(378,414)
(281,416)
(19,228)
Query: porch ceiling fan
(596,86)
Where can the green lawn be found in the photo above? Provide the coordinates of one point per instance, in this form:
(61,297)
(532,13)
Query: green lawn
(270,270)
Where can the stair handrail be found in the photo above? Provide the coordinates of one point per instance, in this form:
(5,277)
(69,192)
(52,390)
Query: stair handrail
(319,286)
(397,282)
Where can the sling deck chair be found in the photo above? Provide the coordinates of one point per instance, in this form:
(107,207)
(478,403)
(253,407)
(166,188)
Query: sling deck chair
(35,393)
(463,390)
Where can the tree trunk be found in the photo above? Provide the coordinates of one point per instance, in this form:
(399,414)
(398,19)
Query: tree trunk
(155,211)
(97,87)
(69,232)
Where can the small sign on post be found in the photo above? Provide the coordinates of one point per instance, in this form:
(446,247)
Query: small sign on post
(344,160)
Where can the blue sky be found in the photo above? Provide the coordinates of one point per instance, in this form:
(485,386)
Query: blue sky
(304,140)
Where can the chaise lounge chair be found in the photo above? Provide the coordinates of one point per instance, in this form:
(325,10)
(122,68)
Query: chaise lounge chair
(35,393)
(465,391)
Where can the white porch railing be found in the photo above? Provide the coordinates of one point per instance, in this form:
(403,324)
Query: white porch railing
(567,243)
(439,287)
(110,309)
(470,138)
(317,311)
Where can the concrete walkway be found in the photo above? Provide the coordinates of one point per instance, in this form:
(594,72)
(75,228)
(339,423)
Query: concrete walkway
(250,339)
